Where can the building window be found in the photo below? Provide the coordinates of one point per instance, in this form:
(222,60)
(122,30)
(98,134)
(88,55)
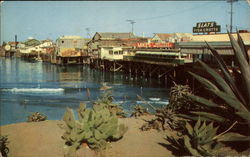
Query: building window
(110,52)
(62,41)
(116,53)
(120,52)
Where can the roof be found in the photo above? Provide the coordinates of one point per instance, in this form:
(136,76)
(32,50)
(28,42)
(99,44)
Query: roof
(221,37)
(12,43)
(223,48)
(32,42)
(219,44)
(111,35)
(164,36)
(70,37)
(159,53)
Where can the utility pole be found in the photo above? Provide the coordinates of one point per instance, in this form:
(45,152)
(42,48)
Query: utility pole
(88,32)
(132,22)
(231,14)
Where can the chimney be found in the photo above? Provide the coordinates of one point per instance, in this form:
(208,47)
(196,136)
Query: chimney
(16,41)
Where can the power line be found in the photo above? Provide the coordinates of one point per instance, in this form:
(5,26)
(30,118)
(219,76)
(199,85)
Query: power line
(231,14)
(170,14)
(156,17)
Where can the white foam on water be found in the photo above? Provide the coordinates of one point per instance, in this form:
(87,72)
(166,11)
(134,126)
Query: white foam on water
(35,90)
(155,99)
(153,102)
(119,102)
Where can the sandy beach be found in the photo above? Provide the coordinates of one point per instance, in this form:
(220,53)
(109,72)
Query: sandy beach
(40,139)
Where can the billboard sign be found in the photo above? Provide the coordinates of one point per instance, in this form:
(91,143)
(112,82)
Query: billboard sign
(206,27)
(155,45)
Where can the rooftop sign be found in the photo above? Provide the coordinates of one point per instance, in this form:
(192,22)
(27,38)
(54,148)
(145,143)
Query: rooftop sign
(205,27)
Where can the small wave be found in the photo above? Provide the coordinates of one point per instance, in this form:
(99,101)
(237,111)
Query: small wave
(155,99)
(35,90)
(119,102)
(153,102)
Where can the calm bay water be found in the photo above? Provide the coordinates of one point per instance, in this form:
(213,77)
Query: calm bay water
(46,88)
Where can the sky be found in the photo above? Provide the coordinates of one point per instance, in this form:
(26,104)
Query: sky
(52,19)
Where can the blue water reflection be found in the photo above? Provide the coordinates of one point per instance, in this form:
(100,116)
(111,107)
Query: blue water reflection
(43,87)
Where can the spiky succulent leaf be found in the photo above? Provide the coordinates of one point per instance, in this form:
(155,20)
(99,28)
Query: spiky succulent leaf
(244,66)
(210,116)
(193,117)
(233,137)
(69,118)
(242,46)
(219,80)
(202,100)
(227,76)
(189,129)
(197,126)
(189,146)
(245,115)
(204,81)
(231,101)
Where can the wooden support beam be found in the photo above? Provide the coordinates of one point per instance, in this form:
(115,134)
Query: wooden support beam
(117,69)
(165,73)
(154,70)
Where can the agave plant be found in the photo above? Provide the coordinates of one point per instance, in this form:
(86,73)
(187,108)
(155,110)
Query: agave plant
(199,140)
(107,100)
(95,127)
(178,101)
(232,92)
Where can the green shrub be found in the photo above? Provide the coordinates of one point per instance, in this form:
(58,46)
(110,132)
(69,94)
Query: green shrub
(36,117)
(107,100)
(96,127)
(139,111)
(179,102)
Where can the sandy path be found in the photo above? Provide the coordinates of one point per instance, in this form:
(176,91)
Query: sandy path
(43,139)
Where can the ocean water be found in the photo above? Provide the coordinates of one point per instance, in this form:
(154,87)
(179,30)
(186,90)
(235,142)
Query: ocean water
(27,87)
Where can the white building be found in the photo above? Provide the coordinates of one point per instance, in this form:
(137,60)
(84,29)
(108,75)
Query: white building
(111,53)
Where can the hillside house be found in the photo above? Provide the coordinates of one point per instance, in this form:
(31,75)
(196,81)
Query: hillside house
(33,45)
(29,46)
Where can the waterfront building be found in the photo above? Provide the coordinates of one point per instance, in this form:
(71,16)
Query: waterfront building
(67,46)
(36,46)
(29,46)
(112,52)
(113,46)
(171,37)
(197,48)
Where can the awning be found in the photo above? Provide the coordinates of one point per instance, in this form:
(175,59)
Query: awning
(158,53)
(206,51)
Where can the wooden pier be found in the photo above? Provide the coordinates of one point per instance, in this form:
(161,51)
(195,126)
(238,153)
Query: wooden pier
(166,72)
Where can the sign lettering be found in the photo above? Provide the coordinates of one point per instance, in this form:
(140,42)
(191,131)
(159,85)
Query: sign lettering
(203,27)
